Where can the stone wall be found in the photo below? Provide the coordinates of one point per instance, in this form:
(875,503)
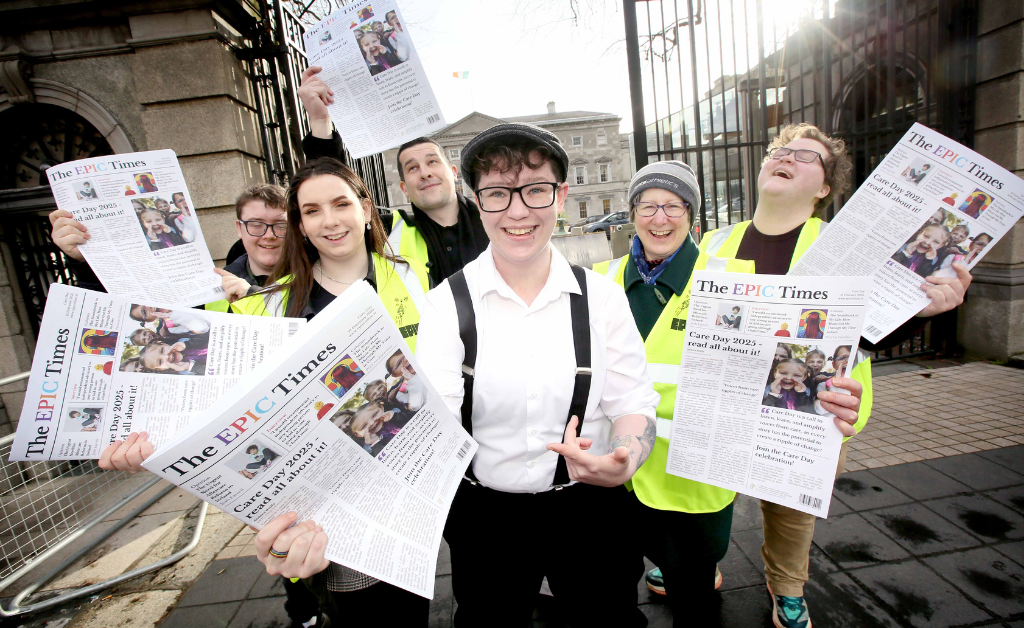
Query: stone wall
(991,321)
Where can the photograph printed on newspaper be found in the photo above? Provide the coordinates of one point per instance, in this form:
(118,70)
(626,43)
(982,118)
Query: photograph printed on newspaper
(382,97)
(145,239)
(930,203)
(106,366)
(759,349)
(342,428)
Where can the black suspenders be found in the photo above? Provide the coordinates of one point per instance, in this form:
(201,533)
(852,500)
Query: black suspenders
(579,309)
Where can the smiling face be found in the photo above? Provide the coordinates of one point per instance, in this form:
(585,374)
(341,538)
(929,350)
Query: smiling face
(931,239)
(427,178)
(369,420)
(162,205)
(787,179)
(938,217)
(159,356)
(780,352)
(399,366)
(815,362)
(520,234)
(143,337)
(790,374)
(840,360)
(334,218)
(263,251)
(980,242)
(958,235)
(369,40)
(179,201)
(660,234)
(375,390)
(152,220)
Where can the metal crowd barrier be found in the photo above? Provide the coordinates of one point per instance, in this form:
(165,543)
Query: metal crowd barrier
(45,507)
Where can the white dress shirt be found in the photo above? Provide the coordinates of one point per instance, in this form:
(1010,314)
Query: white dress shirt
(526,365)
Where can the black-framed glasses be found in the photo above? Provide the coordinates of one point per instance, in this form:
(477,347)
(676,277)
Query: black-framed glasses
(256,228)
(534,195)
(804,155)
(672,210)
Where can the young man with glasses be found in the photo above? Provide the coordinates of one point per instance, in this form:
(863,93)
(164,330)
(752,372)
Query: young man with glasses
(543,363)
(803,172)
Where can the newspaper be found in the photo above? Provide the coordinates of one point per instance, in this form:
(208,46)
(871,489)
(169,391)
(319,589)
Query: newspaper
(146,242)
(343,429)
(931,202)
(106,366)
(382,98)
(759,349)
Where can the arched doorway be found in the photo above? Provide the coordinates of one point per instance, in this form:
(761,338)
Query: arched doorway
(34,138)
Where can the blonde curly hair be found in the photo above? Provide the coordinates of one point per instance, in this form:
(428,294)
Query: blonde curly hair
(838,165)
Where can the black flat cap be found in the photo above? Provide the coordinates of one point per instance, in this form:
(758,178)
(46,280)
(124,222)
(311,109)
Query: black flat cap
(512,133)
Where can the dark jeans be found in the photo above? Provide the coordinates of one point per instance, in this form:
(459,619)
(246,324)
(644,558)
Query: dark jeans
(582,538)
(301,603)
(686,547)
(382,604)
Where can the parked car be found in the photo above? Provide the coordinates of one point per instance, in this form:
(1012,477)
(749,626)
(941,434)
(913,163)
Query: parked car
(607,222)
(587,221)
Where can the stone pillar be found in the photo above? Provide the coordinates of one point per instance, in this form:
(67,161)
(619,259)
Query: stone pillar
(196,101)
(15,352)
(990,323)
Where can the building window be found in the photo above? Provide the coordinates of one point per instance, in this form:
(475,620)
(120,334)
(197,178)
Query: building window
(602,139)
(577,140)
(581,175)
(453,153)
(583,210)
(605,174)
(606,205)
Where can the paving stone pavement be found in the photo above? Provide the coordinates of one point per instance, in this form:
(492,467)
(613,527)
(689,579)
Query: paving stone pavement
(926,527)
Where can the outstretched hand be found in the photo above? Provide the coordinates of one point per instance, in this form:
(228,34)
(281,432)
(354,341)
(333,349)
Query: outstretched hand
(315,96)
(67,233)
(843,406)
(302,544)
(611,469)
(946,293)
(235,287)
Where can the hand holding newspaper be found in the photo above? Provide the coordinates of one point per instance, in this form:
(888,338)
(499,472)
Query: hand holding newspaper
(381,94)
(146,242)
(106,366)
(929,204)
(342,429)
(759,350)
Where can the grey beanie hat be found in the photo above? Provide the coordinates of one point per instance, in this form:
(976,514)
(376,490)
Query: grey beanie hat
(511,133)
(674,176)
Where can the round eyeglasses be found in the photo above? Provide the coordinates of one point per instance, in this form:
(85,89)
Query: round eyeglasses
(672,210)
(534,196)
(256,228)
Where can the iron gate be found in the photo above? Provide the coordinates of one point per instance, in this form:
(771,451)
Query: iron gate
(713,81)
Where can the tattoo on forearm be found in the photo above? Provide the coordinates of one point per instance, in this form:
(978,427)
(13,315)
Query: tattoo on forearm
(622,441)
(647,441)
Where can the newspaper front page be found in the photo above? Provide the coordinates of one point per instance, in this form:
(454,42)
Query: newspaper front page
(759,349)
(343,429)
(931,202)
(106,366)
(146,242)
(382,98)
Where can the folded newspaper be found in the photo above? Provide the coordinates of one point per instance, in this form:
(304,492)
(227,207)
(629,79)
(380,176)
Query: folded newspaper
(759,349)
(342,428)
(146,242)
(105,367)
(382,97)
(930,203)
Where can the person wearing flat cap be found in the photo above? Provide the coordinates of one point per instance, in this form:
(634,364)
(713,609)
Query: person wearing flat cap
(544,363)
(687,523)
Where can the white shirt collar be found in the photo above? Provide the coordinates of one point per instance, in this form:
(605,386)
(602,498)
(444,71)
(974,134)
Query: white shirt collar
(560,279)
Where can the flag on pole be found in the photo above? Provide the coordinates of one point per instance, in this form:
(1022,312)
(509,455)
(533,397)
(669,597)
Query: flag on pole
(461,75)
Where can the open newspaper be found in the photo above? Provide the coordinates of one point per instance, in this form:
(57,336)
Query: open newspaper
(106,366)
(931,202)
(146,242)
(381,94)
(759,349)
(343,429)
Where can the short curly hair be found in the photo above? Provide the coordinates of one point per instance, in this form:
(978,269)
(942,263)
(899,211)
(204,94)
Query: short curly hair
(838,165)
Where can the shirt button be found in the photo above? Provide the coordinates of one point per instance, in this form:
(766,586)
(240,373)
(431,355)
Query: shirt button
(533,395)
(533,432)
(531,464)
(449,248)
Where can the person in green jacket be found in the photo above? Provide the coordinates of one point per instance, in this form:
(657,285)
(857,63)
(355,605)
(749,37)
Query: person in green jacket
(688,523)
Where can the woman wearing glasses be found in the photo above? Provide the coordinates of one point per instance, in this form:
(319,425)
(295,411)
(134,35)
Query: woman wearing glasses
(688,522)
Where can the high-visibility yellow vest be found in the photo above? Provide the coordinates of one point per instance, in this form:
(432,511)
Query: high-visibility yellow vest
(664,346)
(402,289)
(406,241)
(218,306)
(725,242)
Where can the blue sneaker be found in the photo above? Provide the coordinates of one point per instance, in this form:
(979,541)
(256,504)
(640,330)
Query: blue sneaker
(656,582)
(790,612)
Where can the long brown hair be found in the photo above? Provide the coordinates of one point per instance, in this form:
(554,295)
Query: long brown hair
(299,254)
